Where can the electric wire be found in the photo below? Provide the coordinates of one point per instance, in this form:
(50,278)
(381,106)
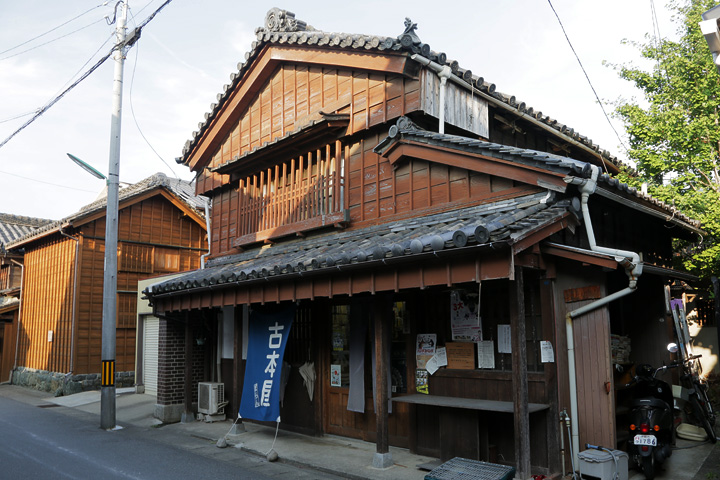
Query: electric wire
(97,65)
(51,30)
(132,112)
(47,183)
(602,107)
(51,41)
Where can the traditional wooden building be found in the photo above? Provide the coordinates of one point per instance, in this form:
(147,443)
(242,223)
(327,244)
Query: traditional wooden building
(412,212)
(161,229)
(12,227)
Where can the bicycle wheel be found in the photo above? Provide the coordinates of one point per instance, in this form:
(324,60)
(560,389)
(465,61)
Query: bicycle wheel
(705,403)
(701,415)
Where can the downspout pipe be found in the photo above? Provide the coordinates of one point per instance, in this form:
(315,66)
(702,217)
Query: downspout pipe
(74,300)
(207,226)
(633,268)
(437,68)
(444,73)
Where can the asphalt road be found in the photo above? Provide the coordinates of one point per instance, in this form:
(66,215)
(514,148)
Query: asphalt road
(43,443)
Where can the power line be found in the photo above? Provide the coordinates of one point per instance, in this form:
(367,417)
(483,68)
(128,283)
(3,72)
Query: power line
(51,30)
(48,183)
(588,79)
(132,112)
(128,44)
(51,41)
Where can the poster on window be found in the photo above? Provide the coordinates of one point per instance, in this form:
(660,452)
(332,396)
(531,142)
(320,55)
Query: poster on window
(335,376)
(504,339)
(426,343)
(465,317)
(421,381)
(268,332)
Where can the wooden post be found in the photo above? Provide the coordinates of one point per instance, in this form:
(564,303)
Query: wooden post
(381,309)
(188,415)
(238,370)
(519,378)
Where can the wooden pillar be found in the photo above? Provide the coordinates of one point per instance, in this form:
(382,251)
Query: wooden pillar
(188,415)
(381,314)
(519,378)
(238,370)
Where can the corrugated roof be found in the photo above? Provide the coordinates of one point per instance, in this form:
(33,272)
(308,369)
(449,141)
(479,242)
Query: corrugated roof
(13,227)
(281,27)
(505,222)
(183,190)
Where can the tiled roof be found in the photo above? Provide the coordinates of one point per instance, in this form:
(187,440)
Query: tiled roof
(405,128)
(13,227)
(505,222)
(281,27)
(182,189)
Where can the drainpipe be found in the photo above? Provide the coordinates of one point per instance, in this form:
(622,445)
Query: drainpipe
(633,268)
(444,73)
(207,226)
(22,291)
(74,300)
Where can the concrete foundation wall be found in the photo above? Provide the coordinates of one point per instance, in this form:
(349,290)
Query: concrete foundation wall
(61,384)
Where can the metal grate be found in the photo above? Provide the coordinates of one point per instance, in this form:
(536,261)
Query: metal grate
(466,469)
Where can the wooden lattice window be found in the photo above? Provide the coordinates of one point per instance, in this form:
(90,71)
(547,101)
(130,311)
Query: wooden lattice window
(135,258)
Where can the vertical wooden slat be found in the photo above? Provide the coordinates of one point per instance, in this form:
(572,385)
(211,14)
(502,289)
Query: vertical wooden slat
(381,379)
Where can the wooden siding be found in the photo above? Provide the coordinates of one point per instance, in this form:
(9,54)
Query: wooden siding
(48,305)
(295,94)
(154,237)
(463,109)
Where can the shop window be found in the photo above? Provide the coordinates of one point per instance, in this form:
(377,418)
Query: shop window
(340,356)
(398,348)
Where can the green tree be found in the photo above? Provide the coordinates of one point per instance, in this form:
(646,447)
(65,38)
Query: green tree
(675,135)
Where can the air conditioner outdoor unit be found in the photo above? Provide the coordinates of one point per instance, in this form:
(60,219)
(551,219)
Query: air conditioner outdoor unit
(211,398)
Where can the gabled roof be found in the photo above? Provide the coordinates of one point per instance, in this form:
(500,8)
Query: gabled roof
(13,227)
(181,190)
(282,28)
(503,224)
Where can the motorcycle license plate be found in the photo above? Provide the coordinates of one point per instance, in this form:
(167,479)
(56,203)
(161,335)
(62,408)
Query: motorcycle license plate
(650,440)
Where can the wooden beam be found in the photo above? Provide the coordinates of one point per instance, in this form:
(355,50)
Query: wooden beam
(519,378)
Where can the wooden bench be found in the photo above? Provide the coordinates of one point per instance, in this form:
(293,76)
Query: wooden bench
(462,428)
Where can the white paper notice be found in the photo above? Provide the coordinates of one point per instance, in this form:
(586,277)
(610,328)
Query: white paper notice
(441,356)
(438,360)
(504,341)
(486,354)
(546,352)
(432,365)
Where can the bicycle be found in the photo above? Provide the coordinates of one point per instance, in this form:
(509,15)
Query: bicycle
(698,398)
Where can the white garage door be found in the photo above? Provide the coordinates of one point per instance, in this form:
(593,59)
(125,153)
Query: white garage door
(150,354)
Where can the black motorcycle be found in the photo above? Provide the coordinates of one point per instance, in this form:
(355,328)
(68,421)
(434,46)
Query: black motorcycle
(652,426)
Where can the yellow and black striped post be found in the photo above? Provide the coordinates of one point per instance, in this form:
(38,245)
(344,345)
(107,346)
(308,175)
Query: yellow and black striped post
(108,373)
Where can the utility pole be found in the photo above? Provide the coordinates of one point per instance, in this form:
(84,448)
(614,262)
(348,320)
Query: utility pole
(109,320)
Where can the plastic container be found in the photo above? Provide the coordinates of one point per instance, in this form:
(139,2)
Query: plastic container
(597,464)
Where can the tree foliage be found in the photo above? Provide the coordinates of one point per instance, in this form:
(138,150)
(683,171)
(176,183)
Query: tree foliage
(674,134)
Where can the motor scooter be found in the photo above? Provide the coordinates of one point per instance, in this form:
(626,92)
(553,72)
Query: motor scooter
(652,426)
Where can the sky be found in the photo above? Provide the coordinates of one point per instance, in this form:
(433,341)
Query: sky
(188,51)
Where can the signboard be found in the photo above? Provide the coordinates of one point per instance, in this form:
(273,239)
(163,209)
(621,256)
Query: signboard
(460,355)
(268,332)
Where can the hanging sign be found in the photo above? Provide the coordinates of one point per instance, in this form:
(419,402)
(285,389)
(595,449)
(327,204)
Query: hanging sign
(267,336)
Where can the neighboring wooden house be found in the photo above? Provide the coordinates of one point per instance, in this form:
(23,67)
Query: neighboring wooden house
(12,227)
(161,229)
(394,196)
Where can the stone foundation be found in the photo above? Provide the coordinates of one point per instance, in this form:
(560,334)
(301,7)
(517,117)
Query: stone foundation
(63,384)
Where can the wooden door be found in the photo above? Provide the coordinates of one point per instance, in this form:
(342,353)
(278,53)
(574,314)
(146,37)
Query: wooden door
(593,365)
